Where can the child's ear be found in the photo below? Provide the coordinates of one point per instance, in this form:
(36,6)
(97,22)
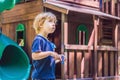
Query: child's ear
(40,25)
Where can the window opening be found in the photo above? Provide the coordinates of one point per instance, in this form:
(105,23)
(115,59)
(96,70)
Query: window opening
(82,35)
(20,35)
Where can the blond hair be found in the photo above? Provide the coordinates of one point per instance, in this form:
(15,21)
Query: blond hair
(41,18)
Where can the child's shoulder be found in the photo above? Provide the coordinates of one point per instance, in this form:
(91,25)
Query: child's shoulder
(39,37)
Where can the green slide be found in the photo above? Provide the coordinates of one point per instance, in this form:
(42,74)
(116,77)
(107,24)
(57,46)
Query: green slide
(7,4)
(14,63)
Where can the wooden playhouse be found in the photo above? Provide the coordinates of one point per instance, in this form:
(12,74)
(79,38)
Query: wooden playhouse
(87,33)
(89,37)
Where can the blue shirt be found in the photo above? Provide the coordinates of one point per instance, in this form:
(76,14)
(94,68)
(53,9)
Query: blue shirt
(43,68)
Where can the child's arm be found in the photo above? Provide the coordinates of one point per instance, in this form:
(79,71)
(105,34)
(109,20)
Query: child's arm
(61,59)
(41,55)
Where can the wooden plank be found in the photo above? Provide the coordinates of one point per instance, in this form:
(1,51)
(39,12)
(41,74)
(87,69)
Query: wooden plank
(78,47)
(107,7)
(12,31)
(19,18)
(100,32)
(24,8)
(116,35)
(91,3)
(56,8)
(65,33)
(80,37)
(116,45)
(113,7)
(116,63)
(87,56)
(103,9)
(106,48)
(5,29)
(95,18)
(84,47)
(91,40)
(100,64)
(112,63)
(64,19)
(29,31)
(105,63)
(82,66)
(66,65)
(78,59)
(71,64)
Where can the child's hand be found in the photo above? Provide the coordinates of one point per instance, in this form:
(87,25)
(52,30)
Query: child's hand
(55,55)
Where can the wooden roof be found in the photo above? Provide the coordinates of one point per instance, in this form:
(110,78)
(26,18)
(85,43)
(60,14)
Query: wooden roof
(67,7)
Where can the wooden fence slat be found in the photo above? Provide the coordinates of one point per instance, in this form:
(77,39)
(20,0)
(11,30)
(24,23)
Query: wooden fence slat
(66,66)
(86,63)
(78,61)
(105,63)
(100,64)
(111,64)
(82,67)
(71,64)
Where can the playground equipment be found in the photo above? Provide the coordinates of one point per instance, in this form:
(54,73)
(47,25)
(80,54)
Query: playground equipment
(14,63)
(7,4)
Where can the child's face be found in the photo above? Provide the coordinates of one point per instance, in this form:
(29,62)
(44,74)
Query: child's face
(49,26)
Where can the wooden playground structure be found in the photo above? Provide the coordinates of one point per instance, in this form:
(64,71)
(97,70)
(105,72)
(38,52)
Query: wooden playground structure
(87,34)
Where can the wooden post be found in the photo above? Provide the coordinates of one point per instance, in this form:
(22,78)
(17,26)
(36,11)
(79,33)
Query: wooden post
(112,63)
(79,60)
(96,22)
(66,53)
(118,8)
(100,64)
(105,68)
(64,19)
(107,6)
(103,9)
(113,7)
(116,45)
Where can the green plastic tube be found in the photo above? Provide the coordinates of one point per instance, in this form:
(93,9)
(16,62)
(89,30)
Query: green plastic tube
(14,63)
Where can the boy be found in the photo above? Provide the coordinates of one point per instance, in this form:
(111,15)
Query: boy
(43,54)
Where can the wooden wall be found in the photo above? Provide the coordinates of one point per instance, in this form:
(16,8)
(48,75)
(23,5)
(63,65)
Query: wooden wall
(22,13)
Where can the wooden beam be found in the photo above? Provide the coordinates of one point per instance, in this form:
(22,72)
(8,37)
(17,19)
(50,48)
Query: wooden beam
(91,40)
(112,63)
(22,12)
(116,35)
(116,45)
(105,66)
(85,47)
(71,64)
(78,47)
(64,19)
(95,18)
(107,6)
(65,33)
(79,60)
(100,64)
(113,7)
(56,8)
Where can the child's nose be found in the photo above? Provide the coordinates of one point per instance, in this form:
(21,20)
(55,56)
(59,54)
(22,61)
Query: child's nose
(53,24)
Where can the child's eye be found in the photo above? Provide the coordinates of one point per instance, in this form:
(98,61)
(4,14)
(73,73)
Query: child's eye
(51,21)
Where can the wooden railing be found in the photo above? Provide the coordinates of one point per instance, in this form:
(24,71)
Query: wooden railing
(110,7)
(80,62)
